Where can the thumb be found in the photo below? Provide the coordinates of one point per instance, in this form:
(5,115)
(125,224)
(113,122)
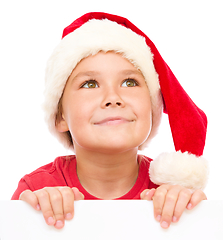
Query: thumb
(77,194)
(147,194)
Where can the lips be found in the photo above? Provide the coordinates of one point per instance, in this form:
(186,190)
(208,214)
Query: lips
(112,121)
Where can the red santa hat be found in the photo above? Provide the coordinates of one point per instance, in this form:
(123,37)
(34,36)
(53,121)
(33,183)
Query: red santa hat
(96,31)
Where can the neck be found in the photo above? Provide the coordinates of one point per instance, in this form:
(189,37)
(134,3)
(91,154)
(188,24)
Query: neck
(107,176)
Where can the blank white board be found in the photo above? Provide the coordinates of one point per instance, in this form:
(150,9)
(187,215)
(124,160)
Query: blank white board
(111,220)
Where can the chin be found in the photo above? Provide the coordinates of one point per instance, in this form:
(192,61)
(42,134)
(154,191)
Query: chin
(117,147)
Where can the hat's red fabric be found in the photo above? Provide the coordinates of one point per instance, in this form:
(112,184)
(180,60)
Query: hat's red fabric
(188,123)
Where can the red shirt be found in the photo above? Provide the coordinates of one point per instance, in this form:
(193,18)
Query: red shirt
(62,172)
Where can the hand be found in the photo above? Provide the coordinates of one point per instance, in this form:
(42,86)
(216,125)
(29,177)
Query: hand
(170,201)
(56,203)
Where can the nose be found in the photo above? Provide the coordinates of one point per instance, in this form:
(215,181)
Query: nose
(111,104)
(112,98)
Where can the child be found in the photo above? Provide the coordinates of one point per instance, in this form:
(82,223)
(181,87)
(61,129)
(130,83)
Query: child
(106,88)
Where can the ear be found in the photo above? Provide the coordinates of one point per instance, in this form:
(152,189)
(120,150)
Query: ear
(61,124)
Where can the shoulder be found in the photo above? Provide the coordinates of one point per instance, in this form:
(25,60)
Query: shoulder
(51,174)
(59,163)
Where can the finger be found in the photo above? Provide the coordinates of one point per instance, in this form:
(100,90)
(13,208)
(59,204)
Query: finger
(159,200)
(147,194)
(56,201)
(68,202)
(77,194)
(182,202)
(196,198)
(29,197)
(169,206)
(44,202)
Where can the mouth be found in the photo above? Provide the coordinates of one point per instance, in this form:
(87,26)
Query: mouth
(112,121)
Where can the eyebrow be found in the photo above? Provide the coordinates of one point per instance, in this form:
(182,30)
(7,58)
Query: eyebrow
(131,72)
(85,74)
(96,73)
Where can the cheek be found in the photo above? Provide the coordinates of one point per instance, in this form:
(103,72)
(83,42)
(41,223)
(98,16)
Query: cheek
(143,104)
(76,122)
(144,113)
(78,114)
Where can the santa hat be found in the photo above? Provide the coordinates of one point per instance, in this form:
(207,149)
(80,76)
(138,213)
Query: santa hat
(94,32)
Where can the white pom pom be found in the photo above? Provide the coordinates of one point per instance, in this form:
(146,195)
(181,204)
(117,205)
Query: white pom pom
(179,168)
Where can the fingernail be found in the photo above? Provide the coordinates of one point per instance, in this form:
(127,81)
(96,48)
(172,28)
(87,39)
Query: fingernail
(147,192)
(158,218)
(174,219)
(68,216)
(50,221)
(164,224)
(189,205)
(59,224)
(37,207)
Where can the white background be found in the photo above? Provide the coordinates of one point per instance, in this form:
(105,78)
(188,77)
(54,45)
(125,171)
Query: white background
(188,35)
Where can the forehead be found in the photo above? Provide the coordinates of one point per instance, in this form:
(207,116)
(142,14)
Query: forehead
(105,62)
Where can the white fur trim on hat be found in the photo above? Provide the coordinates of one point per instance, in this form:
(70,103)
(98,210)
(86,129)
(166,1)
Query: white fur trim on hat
(89,39)
(179,168)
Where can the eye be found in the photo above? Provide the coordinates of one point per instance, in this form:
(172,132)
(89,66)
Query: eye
(90,84)
(129,83)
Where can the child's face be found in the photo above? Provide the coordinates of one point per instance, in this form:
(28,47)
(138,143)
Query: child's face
(106,105)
